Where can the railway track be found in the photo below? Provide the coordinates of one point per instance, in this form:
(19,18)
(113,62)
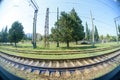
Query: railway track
(59,52)
(64,67)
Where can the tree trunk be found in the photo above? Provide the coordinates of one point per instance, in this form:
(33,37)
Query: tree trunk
(57,43)
(67,43)
(15,44)
(76,42)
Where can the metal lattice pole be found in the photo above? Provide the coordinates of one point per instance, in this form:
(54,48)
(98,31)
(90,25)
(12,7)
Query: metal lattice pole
(46,36)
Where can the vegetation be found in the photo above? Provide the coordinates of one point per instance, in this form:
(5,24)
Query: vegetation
(87,34)
(58,53)
(16,32)
(68,28)
(4,35)
(96,35)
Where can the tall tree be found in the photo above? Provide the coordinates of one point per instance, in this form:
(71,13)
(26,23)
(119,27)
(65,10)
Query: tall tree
(70,28)
(65,27)
(16,32)
(96,35)
(4,35)
(76,23)
(87,34)
(108,37)
(118,32)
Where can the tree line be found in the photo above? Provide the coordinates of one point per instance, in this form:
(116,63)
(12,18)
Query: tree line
(68,28)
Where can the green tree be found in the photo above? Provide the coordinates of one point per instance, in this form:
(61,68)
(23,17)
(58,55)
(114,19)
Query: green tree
(16,32)
(76,24)
(55,36)
(108,37)
(96,35)
(4,35)
(65,27)
(68,28)
(118,32)
(87,34)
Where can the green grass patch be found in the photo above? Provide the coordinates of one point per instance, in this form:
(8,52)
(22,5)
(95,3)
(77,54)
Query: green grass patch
(60,56)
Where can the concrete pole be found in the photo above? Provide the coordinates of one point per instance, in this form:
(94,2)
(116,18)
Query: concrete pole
(93,42)
(116,31)
(34,29)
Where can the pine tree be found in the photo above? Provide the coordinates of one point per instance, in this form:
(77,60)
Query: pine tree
(87,34)
(96,35)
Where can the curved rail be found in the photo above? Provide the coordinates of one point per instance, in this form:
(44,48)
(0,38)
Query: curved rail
(45,66)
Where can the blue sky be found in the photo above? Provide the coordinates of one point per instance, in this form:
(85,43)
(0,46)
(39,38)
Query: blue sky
(104,12)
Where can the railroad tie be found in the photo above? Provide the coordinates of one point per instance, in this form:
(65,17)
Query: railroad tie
(57,74)
(101,59)
(28,70)
(50,64)
(30,62)
(16,66)
(15,59)
(22,68)
(85,62)
(2,60)
(36,71)
(72,63)
(66,74)
(96,60)
(42,64)
(12,64)
(65,64)
(77,73)
(57,64)
(25,61)
(5,61)
(18,59)
(9,63)
(22,60)
(79,63)
(46,73)
(91,61)
(36,63)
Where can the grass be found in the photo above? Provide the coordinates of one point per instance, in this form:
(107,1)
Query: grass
(73,46)
(59,56)
(28,47)
(83,50)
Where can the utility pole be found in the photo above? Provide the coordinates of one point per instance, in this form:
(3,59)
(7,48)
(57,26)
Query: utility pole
(57,27)
(34,23)
(116,19)
(93,41)
(46,36)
